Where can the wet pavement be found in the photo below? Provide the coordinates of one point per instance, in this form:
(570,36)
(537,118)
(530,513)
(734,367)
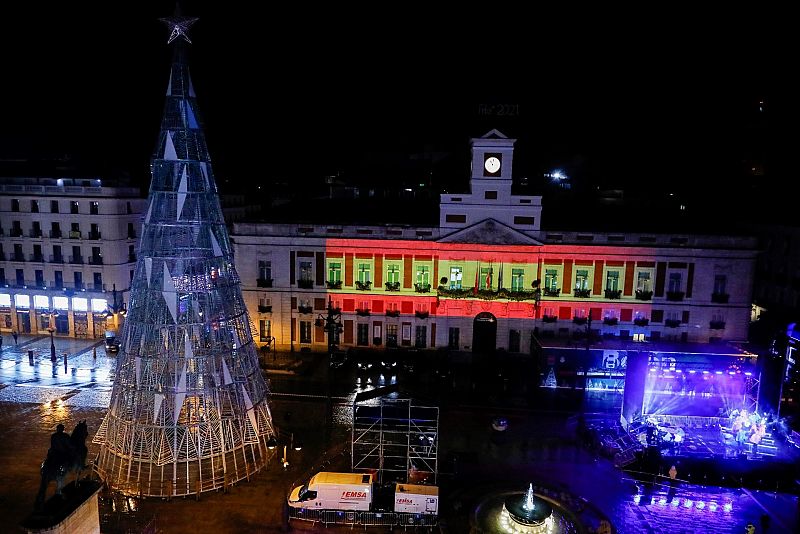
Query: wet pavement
(538,447)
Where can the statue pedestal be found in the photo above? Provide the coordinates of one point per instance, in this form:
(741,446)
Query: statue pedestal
(75,511)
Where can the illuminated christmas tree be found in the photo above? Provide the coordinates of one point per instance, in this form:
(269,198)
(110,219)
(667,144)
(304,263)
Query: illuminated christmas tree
(189,408)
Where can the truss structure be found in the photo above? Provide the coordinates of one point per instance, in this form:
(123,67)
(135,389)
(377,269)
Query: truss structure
(189,408)
(395,440)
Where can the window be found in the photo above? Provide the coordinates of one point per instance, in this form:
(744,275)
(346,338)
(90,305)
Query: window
(20,277)
(73,206)
(78,278)
(456,274)
(551,279)
(638,337)
(41,302)
(39,275)
(54,206)
(717,317)
(22,301)
(582,279)
(674,282)
(485,281)
(453,341)
(305,271)
(14,204)
(423,275)
(452,218)
(94,208)
(490,195)
(363,272)
(98,281)
(265,270)
(517,279)
(643,281)
(393,273)
(34,206)
(59,279)
(391,335)
(5,300)
(305,331)
(362,334)
(421,335)
(612,280)
(720,281)
(514,340)
(524,220)
(265,329)
(335,272)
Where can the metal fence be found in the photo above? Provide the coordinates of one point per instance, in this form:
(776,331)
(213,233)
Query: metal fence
(365,519)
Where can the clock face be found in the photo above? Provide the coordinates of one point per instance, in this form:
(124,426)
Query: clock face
(492,164)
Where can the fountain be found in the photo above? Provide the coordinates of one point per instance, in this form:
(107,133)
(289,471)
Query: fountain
(526,515)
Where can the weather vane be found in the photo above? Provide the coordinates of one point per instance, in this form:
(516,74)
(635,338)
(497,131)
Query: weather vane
(179,26)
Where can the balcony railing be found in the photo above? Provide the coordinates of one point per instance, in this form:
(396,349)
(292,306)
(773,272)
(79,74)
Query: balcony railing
(641,321)
(305,309)
(98,287)
(305,283)
(131,258)
(95,235)
(579,320)
(582,293)
(57,284)
(57,258)
(392,313)
(421,314)
(264,282)
(548,292)
(131,235)
(333,284)
(613,293)
(36,234)
(76,259)
(720,298)
(549,318)
(95,260)
(18,256)
(363,286)
(55,234)
(16,232)
(672,323)
(363,312)
(392,286)
(2,256)
(641,294)
(610,321)
(716,325)
(263,308)
(675,295)
(74,234)
(422,288)
(37,258)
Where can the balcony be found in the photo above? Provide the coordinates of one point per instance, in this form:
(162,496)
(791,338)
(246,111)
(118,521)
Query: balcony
(305,309)
(305,283)
(675,296)
(74,234)
(15,232)
(2,256)
(613,293)
(333,284)
(582,293)
(18,256)
(57,258)
(95,260)
(55,234)
(716,325)
(610,321)
(392,313)
(672,323)
(98,287)
(363,286)
(95,235)
(262,308)
(549,318)
(264,282)
(392,286)
(76,259)
(642,294)
(131,258)
(421,314)
(580,320)
(422,288)
(36,234)
(131,235)
(57,284)
(37,258)
(362,312)
(720,298)
(641,321)
(549,292)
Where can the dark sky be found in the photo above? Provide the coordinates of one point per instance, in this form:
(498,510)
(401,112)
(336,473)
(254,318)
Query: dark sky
(287,95)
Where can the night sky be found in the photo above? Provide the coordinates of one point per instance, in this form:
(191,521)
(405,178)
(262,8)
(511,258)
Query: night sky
(284,96)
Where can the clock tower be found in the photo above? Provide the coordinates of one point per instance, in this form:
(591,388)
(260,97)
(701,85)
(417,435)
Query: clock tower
(490,185)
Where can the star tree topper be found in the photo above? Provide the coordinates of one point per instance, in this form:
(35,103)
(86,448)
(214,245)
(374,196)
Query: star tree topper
(179,27)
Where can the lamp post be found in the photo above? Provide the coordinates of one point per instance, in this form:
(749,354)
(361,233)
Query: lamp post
(116,308)
(272,443)
(332,324)
(51,327)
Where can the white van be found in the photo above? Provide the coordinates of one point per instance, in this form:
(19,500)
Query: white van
(334,491)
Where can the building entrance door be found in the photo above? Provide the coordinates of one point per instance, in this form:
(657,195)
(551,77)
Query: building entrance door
(24,322)
(484,333)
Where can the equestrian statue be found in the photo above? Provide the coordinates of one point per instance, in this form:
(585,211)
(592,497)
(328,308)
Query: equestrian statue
(67,453)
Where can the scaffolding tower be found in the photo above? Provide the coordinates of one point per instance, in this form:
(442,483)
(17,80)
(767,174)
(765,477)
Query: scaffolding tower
(395,440)
(189,407)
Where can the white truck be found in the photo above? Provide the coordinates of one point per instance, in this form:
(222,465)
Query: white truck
(334,491)
(416,499)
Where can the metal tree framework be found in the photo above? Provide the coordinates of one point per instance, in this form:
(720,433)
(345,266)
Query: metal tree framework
(189,408)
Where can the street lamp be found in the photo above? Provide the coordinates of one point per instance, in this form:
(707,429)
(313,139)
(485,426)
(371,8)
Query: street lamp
(272,443)
(53,313)
(116,308)
(332,324)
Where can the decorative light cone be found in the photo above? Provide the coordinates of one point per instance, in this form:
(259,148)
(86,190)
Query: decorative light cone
(189,408)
